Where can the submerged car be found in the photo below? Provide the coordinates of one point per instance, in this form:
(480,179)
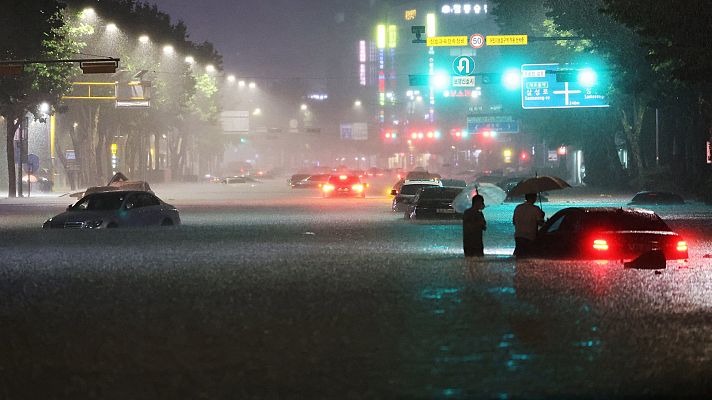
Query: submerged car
(434,203)
(116,209)
(649,198)
(605,233)
(344,185)
(403,195)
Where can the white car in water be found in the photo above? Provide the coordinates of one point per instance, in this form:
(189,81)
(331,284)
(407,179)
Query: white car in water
(115,209)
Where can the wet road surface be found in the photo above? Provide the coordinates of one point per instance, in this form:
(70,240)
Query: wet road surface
(268,292)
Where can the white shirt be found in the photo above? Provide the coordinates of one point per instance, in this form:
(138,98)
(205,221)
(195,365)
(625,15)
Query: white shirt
(527,218)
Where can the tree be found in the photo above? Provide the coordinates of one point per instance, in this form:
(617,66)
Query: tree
(31,30)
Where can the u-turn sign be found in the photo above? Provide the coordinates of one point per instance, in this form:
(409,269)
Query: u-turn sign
(463,66)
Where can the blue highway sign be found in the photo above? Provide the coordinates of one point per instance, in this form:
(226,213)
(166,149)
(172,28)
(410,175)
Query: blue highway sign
(540,89)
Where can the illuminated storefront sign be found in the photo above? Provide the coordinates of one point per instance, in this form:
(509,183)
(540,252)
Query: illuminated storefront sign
(410,14)
(466,8)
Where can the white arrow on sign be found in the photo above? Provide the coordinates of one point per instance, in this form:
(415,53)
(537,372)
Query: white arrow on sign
(464,65)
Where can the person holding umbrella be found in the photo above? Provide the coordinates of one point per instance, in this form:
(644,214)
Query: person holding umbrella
(527,219)
(473,225)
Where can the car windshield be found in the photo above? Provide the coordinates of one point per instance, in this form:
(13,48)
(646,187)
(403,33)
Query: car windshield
(439,193)
(100,201)
(412,189)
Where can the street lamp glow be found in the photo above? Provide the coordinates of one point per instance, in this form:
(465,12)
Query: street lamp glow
(257,111)
(231,78)
(430,30)
(144,39)
(441,80)
(587,77)
(88,12)
(241,84)
(252,85)
(168,50)
(44,108)
(111,27)
(190,60)
(511,79)
(209,68)
(357,103)
(303,107)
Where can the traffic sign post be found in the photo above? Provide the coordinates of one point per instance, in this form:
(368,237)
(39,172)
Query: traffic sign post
(477,41)
(542,89)
(463,66)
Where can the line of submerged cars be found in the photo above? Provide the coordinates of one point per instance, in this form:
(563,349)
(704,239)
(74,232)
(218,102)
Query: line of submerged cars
(592,233)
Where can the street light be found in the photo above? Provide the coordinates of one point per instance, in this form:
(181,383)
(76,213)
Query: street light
(357,103)
(231,78)
(190,60)
(144,39)
(303,107)
(209,68)
(168,50)
(252,85)
(88,13)
(241,84)
(257,111)
(111,27)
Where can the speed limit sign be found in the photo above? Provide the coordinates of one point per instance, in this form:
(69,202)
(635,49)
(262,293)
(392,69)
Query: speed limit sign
(477,41)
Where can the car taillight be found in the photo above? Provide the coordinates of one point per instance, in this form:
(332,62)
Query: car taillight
(357,187)
(327,188)
(681,246)
(600,245)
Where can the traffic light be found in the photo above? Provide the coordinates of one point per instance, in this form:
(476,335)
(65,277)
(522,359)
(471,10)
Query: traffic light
(390,135)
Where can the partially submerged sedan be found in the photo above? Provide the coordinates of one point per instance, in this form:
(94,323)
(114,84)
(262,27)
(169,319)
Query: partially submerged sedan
(434,203)
(116,209)
(604,233)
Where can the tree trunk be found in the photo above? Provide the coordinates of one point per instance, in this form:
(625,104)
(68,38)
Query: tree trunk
(632,126)
(11,124)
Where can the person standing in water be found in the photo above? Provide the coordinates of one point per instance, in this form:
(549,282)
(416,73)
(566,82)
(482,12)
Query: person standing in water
(473,226)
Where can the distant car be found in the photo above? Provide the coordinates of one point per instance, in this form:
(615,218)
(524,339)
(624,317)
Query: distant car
(656,199)
(403,196)
(433,203)
(344,185)
(603,233)
(315,181)
(295,179)
(374,172)
(239,179)
(116,209)
(421,175)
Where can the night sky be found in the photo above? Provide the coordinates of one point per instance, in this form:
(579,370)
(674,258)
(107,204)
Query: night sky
(260,38)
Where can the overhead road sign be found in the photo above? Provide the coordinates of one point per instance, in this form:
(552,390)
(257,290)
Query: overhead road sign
(497,123)
(507,40)
(542,89)
(463,65)
(444,41)
(477,41)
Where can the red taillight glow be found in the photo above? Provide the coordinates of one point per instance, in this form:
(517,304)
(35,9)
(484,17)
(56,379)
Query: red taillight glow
(600,245)
(681,246)
(327,188)
(357,187)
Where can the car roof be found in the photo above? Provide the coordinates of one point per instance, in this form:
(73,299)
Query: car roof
(436,182)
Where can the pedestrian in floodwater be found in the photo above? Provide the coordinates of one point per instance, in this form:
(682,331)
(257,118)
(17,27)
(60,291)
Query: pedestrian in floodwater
(473,225)
(527,219)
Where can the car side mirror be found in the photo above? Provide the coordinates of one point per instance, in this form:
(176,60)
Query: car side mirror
(394,192)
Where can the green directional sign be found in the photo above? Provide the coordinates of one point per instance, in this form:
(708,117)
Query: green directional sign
(463,66)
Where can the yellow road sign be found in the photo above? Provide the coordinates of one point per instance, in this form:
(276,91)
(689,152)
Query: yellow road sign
(507,40)
(448,41)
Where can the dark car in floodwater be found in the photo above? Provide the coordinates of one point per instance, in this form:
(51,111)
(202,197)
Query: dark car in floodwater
(116,209)
(434,203)
(607,233)
(650,198)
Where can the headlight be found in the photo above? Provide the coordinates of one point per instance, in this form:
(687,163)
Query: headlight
(93,224)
